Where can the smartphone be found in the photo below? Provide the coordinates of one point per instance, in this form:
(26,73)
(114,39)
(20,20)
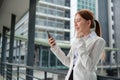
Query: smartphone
(49,36)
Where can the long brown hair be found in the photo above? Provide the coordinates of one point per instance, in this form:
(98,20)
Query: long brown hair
(88,15)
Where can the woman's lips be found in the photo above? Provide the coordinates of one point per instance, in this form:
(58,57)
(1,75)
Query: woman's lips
(77,28)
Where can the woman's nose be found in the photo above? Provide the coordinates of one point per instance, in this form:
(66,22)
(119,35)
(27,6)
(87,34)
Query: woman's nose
(76,25)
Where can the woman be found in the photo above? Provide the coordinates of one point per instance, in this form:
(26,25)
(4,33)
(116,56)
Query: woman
(86,49)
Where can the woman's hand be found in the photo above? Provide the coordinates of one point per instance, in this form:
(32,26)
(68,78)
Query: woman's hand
(51,42)
(80,34)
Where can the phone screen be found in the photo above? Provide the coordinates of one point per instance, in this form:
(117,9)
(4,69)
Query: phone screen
(48,34)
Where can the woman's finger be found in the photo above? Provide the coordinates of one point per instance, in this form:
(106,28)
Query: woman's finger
(51,42)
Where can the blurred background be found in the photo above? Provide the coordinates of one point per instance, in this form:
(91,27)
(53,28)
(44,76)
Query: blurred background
(24,50)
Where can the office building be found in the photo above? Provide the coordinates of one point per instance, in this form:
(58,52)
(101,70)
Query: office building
(108,17)
(52,16)
(108,11)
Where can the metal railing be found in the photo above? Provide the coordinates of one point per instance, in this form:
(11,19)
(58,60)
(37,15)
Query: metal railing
(107,78)
(19,72)
(44,73)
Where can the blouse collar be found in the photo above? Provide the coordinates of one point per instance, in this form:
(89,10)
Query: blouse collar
(91,35)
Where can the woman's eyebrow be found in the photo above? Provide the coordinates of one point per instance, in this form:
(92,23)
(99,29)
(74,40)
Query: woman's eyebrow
(77,19)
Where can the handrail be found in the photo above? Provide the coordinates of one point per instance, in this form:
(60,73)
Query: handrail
(37,68)
(99,77)
(45,70)
(45,43)
(40,41)
(54,71)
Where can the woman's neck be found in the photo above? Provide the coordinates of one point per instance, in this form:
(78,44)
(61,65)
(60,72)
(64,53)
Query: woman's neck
(87,32)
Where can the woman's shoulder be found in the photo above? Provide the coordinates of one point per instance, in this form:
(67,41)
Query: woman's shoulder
(100,39)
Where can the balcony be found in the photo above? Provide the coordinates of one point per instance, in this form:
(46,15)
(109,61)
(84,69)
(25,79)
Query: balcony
(43,35)
(50,23)
(50,11)
(62,2)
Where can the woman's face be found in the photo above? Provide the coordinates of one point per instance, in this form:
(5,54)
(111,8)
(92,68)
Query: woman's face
(81,25)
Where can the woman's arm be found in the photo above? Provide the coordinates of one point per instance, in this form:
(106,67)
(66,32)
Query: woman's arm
(58,52)
(61,55)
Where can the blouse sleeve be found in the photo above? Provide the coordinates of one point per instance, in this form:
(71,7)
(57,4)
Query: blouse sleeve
(61,55)
(90,59)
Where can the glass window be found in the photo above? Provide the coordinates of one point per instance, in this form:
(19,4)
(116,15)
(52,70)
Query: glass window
(67,36)
(112,8)
(113,36)
(59,36)
(59,64)
(52,60)
(114,46)
(45,56)
(67,13)
(67,2)
(67,25)
(112,17)
(22,57)
(113,27)
(111,0)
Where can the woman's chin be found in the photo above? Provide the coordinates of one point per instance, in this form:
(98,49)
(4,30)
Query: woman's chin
(77,30)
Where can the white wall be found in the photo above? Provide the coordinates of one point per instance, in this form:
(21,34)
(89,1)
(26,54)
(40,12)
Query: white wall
(72,15)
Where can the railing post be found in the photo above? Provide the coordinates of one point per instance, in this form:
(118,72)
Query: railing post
(45,74)
(3,52)
(31,37)
(18,60)
(0,38)
(11,46)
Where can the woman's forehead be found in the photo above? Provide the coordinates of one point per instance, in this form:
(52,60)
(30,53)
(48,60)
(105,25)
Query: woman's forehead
(78,17)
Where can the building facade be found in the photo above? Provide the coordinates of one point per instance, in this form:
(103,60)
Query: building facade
(52,16)
(108,11)
(116,27)
(57,17)
(108,16)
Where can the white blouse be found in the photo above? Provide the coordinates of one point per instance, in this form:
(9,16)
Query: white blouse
(89,50)
(91,35)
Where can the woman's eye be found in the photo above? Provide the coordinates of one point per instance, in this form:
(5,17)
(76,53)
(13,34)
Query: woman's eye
(78,20)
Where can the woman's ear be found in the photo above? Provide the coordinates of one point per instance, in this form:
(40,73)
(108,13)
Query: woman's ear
(89,23)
